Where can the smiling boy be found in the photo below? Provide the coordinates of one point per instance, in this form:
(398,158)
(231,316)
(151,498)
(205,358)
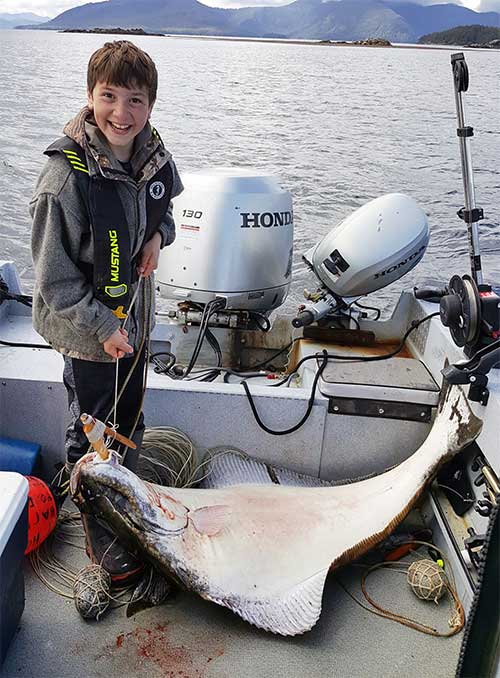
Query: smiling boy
(101,213)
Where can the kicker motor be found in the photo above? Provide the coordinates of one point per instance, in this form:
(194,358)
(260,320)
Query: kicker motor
(373,247)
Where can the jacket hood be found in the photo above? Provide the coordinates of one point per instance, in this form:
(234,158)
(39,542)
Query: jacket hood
(75,128)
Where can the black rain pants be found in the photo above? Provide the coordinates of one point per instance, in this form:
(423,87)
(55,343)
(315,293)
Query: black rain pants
(91,390)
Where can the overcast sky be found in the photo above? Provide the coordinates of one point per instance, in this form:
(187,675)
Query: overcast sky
(53,7)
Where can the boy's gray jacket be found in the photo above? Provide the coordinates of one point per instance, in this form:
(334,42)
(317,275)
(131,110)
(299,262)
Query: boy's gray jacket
(65,310)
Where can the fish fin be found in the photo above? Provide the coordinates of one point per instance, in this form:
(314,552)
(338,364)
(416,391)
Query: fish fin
(152,590)
(226,467)
(292,613)
(209,520)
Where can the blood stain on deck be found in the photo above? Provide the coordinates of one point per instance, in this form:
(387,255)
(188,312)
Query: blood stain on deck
(174,660)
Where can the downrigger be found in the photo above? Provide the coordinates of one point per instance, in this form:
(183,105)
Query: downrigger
(469,307)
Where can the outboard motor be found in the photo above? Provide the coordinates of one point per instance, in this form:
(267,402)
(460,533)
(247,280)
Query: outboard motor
(370,249)
(234,241)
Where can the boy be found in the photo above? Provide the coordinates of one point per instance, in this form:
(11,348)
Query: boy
(101,213)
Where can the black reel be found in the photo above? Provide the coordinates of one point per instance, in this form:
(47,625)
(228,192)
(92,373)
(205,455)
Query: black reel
(460,72)
(460,311)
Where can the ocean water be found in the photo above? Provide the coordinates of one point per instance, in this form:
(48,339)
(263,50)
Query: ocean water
(338,125)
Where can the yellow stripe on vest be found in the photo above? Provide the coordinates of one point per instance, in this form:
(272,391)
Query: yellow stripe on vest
(77,164)
(75,161)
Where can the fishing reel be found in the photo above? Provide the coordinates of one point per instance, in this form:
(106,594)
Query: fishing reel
(471,312)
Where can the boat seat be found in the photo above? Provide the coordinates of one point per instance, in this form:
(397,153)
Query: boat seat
(386,410)
(402,380)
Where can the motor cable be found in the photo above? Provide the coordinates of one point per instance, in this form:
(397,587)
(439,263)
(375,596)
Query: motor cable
(327,356)
(368,308)
(309,405)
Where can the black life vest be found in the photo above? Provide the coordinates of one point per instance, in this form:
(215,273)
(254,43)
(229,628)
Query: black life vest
(113,270)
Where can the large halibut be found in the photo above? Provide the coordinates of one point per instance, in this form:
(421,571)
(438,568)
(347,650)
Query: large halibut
(264,550)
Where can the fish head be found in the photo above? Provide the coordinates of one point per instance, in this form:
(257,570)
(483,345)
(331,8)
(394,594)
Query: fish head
(139,513)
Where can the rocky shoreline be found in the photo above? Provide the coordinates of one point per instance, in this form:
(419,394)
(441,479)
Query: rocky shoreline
(369,42)
(492,44)
(111,31)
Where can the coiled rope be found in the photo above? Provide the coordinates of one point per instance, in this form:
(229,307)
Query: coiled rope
(455,622)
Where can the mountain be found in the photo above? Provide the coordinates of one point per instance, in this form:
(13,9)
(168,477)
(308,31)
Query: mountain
(13,20)
(307,19)
(336,20)
(167,16)
(432,18)
(464,35)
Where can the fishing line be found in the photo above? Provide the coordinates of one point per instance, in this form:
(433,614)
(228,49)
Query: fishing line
(115,406)
(56,575)
(168,458)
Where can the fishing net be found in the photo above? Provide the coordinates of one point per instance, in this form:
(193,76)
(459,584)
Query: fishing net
(91,591)
(427,580)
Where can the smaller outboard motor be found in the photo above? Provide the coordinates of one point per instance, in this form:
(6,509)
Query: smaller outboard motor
(372,248)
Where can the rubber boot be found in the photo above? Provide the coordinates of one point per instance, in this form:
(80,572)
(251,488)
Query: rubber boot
(101,544)
(103,548)
(131,456)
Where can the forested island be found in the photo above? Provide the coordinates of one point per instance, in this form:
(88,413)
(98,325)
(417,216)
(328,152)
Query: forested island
(466,36)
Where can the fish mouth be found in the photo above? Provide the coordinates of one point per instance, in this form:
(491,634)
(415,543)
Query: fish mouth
(116,495)
(113,506)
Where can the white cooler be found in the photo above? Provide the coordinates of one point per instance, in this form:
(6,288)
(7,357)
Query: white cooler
(13,540)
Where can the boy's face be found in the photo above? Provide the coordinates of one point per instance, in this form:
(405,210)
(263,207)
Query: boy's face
(120,114)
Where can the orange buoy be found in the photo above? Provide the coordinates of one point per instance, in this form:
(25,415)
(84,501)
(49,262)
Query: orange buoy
(42,513)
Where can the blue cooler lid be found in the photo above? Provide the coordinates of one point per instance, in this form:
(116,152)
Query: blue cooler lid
(13,495)
(19,456)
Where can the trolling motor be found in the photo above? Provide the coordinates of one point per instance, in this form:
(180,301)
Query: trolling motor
(470,308)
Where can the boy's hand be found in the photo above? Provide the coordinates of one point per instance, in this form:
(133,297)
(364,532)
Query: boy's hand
(149,256)
(116,345)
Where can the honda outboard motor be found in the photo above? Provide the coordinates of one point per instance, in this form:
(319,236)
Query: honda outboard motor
(234,241)
(373,247)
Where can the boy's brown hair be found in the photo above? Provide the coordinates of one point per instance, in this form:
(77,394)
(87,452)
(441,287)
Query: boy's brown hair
(123,64)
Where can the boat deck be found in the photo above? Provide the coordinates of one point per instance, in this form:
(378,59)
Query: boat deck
(188,637)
